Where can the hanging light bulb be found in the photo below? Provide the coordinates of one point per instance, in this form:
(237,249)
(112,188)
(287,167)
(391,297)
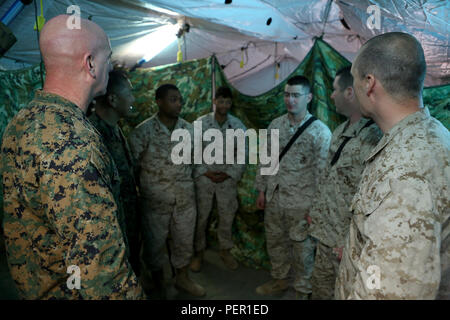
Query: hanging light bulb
(277,68)
(241,65)
(179,53)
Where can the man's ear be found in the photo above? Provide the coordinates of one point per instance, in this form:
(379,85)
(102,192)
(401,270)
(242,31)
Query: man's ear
(369,84)
(349,93)
(309,97)
(89,65)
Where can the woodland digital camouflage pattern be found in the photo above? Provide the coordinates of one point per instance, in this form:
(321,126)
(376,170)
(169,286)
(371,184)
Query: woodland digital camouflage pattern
(331,213)
(225,192)
(167,192)
(295,187)
(118,148)
(59,206)
(401,215)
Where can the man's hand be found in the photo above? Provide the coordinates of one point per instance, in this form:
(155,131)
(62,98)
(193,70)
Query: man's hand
(308,219)
(261,201)
(338,252)
(216,176)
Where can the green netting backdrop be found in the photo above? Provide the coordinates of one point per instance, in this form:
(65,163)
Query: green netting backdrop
(194,79)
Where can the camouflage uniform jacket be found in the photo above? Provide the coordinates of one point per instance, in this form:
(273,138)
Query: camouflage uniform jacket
(331,213)
(118,148)
(400,225)
(59,205)
(235,171)
(160,179)
(298,174)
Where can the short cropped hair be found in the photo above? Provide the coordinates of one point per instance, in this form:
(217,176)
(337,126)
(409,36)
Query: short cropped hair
(299,80)
(397,60)
(117,78)
(345,78)
(161,92)
(224,92)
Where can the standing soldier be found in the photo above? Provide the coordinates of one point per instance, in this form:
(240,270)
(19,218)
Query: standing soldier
(219,180)
(60,212)
(330,218)
(287,196)
(167,192)
(398,246)
(109,109)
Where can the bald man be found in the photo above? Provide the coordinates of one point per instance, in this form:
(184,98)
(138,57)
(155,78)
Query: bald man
(398,246)
(62,234)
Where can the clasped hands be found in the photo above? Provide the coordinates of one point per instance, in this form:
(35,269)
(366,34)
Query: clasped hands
(216,176)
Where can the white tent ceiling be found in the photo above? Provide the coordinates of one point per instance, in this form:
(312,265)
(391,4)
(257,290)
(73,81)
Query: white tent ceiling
(272,31)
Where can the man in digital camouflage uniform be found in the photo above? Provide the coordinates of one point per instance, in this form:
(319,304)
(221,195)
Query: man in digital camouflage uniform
(59,179)
(108,110)
(287,196)
(167,192)
(398,245)
(219,180)
(330,217)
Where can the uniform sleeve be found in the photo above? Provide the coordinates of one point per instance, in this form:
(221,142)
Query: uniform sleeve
(402,249)
(81,207)
(369,140)
(261,180)
(236,170)
(321,148)
(138,143)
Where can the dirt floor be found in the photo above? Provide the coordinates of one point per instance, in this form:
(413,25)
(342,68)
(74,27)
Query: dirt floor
(219,282)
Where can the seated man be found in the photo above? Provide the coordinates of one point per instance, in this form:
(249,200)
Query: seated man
(219,180)
(167,193)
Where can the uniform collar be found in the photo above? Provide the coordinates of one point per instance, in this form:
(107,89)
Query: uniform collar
(408,121)
(354,129)
(213,115)
(305,118)
(163,127)
(48,98)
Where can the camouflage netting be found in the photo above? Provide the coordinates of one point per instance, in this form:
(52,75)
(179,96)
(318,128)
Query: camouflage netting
(194,79)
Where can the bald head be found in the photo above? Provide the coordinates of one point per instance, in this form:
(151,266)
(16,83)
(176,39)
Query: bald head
(61,46)
(75,58)
(397,60)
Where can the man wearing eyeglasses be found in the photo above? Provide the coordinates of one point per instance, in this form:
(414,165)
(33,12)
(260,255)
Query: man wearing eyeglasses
(287,195)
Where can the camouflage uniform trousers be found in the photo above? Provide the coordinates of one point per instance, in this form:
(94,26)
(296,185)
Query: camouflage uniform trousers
(326,266)
(285,252)
(158,219)
(133,231)
(227,205)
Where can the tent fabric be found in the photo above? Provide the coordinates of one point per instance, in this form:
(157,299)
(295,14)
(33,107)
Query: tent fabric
(223,30)
(195,81)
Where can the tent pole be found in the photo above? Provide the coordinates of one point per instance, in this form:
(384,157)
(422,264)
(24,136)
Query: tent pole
(213,79)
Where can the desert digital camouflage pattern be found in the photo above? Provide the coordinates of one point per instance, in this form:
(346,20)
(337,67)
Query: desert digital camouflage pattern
(167,193)
(60,210)
(331,213)
(400,222)
(226,191)
(118,148)
(290,193)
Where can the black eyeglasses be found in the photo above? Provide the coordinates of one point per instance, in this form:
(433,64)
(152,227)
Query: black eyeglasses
(294,94)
